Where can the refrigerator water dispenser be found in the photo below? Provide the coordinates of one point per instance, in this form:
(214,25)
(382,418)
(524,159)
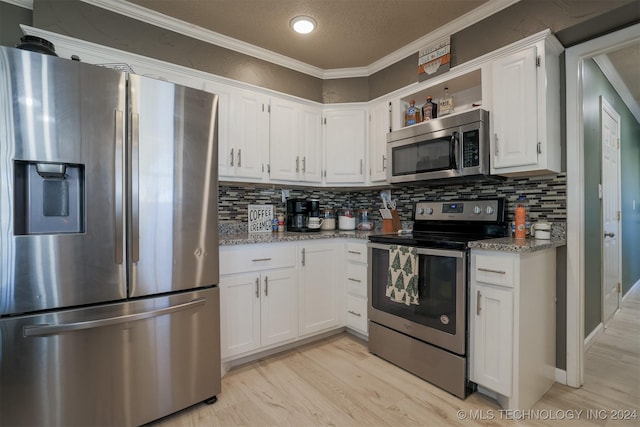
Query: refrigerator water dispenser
(49,198)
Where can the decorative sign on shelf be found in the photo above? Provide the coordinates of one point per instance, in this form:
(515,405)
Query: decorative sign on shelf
(435,59)
(260,218)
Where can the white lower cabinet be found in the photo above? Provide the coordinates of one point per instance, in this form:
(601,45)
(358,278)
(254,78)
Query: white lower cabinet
(257,309)
(319,289)
(512,324)
(356,286)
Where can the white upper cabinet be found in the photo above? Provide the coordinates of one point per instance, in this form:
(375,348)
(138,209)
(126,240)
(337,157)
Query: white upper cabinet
(379,126)
(247,155)
(295,143)
(525,117)
(284,137)
(225,114)
(345,137)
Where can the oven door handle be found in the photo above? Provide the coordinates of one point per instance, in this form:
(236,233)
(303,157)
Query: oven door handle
(425,251)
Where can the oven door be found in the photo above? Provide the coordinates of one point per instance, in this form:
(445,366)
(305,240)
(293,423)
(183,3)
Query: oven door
(440,316)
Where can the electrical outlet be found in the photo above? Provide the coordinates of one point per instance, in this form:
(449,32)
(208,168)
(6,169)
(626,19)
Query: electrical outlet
(285,196)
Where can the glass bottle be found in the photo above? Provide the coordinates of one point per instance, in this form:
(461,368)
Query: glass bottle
(411,116)
(446,103)
(429,110)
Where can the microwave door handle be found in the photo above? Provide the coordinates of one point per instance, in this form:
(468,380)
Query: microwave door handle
(453,151)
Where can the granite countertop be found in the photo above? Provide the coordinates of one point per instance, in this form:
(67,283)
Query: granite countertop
(510,244)
(243,238)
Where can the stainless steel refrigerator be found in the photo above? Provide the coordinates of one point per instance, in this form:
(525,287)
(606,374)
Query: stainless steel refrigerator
(109,305)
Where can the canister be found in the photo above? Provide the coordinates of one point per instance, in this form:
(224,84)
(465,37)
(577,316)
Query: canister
(346,219)
(365,222)
(329,219)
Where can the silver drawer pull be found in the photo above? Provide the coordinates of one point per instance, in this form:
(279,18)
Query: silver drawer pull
(488,270)
(261,259)
(355,252)
(354,313)
(354,280)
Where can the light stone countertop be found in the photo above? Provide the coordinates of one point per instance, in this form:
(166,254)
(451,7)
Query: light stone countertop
(245,238)
(510,244)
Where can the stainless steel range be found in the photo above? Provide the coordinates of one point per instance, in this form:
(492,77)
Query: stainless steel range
(425,329)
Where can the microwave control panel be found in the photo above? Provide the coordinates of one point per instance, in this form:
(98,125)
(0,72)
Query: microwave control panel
(471,148)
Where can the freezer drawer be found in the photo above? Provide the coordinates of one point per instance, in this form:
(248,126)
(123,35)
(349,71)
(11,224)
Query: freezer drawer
(117,364)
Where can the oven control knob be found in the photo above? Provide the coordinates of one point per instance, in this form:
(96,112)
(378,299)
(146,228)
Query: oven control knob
(489,210)
(429,211)
(477,210)
(420,211)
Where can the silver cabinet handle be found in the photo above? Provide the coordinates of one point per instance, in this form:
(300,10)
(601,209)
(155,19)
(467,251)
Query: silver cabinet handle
(495,135)
(384,162)
(303,256)
(119,189)
(257,287)
(266,286)
(488,270)
(354,252)
(479,295)
(361,166)
(354,313)
(232,157)
(539,147)
(354,280)
(297,163)
(239,157)
(304,164)
(260,259)
(46,329)
(610,235)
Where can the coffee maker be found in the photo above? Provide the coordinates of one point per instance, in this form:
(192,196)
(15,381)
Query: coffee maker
(298,213)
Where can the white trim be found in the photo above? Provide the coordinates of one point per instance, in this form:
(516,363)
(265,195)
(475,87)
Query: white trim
(27,4)
(593,336)
(637,284)
(155,18)
(616,81)
(561,376)
(575,191)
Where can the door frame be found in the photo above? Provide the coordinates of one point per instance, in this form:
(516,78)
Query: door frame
(607,108)
(574,57)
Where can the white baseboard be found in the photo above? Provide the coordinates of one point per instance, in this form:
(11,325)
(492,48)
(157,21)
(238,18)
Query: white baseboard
(561,376)
(593,336)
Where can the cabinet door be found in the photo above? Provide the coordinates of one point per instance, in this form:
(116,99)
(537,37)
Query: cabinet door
(379,126)
(225,125)
(345,145)
(319,286)
(311,144)
(492,337)
(278,309)
(284,137)
(515,106)
(239,314)
(251,141)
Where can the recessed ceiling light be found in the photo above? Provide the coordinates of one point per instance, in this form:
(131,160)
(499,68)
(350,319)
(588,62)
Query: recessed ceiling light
(303,24)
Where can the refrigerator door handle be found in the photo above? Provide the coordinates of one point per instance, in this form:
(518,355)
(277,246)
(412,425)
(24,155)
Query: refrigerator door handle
(135,187)
(47,329)
(118,195)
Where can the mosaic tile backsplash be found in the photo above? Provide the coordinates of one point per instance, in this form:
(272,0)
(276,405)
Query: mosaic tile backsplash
(546,197)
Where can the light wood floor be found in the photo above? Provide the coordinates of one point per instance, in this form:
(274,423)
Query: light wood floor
(336,381)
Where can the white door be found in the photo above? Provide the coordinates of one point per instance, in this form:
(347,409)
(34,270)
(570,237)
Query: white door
(311,144)
(278,307)
(251,135)
(284,138)
(379,126)
(611,247)
(345,144)
(239,314)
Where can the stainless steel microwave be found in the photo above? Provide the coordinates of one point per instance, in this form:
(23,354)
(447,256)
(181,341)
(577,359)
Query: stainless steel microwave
(448,147)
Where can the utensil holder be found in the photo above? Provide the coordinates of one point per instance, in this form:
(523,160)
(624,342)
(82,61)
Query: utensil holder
(391,225)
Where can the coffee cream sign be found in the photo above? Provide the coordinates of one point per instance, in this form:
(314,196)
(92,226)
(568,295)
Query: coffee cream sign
(260,218)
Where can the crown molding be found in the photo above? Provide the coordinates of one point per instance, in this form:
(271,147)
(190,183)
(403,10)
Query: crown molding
(607,68)
(154,18)
(27,4)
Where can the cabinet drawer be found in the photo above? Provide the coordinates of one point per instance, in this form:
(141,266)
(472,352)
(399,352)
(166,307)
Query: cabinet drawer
(245,258)
(498,269)
(357,279)
(357,252)
(357,313)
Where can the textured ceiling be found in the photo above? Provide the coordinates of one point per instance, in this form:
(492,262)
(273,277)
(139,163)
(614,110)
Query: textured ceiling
(355,33)
(350,33)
